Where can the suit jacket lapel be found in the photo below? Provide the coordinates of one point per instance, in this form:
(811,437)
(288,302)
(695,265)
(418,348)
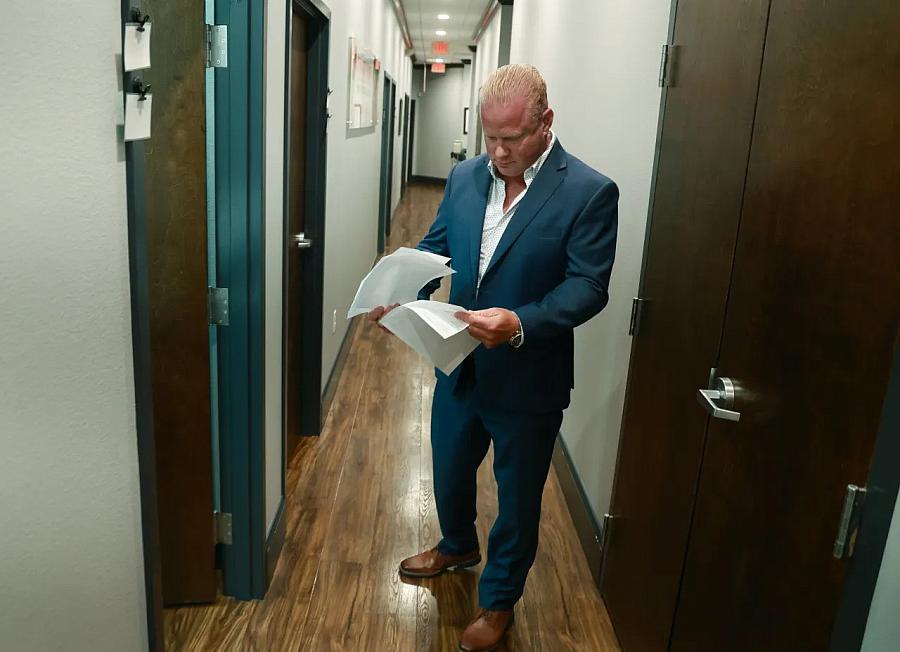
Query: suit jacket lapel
(542,188)
(475,215)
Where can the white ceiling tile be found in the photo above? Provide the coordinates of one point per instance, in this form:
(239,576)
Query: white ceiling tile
(423,22)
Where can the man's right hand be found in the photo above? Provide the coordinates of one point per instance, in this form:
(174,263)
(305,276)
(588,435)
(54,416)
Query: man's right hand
(377,313)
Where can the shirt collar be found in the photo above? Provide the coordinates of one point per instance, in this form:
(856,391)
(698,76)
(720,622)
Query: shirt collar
(535,167)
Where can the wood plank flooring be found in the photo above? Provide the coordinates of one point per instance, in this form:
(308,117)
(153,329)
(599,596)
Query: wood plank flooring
(360,500)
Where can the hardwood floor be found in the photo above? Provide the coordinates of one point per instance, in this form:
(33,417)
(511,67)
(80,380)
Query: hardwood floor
(360,500)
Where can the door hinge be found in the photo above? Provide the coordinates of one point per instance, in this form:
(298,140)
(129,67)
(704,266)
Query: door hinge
(218,306)
(217,46)
(664,65)
(604,533)
(605,537)
(845,540)
(636,309)
(222,528)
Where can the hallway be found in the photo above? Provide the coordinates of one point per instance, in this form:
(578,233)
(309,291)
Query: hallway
(359,500)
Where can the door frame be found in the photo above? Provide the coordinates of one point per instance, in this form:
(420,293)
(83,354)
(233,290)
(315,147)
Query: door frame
(412,136)
(312,414)
(660,122)
(404,165)
(386,159)
(881,499)
(240,267)
(143,377)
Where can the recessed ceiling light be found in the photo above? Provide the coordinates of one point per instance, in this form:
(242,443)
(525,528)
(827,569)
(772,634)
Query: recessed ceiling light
(441,32)
(439,61)
(443,16)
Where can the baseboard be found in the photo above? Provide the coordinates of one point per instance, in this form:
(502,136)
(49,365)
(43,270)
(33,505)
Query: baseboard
(334,377)
(275,542)
(423,179)
(585,524)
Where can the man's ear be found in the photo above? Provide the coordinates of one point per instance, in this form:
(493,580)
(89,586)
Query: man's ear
(547,118)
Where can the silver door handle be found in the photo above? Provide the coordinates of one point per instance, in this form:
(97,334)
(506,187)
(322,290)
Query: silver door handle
(302,241)
(718,399)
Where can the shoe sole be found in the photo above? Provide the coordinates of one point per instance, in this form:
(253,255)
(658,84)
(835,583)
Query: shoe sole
(456,567)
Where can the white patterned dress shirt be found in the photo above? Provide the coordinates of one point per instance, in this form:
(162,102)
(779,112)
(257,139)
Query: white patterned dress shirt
(496,219)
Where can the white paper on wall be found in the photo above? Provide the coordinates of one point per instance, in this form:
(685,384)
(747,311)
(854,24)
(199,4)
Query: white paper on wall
(136,49)
(137,116)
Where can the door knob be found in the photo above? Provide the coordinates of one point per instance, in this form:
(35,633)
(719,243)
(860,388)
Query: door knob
(718,398)
(302,241)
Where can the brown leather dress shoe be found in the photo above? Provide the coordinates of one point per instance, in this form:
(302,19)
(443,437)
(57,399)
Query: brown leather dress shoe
(432,563)
(485,632)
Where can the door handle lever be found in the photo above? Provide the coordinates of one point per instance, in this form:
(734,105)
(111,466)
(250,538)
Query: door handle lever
(718,399)
(302,241)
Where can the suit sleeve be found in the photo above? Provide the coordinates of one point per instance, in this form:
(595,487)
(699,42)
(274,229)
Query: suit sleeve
(590,250)
(435,241)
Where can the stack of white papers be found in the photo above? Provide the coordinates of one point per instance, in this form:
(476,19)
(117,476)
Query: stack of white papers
(429,327)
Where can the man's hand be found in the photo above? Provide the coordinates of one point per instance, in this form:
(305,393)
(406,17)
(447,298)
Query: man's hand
(491,327)
(377,313)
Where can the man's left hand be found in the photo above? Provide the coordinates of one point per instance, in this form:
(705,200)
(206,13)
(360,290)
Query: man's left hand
(491,327)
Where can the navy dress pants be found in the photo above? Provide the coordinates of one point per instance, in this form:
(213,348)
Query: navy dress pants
(461,432)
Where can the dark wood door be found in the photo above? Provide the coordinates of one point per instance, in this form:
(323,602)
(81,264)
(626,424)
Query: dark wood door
(412,137)
(705,140)
(812,319)
(389,194)
(387,138)
(404,165)
(175,173)
(296,225)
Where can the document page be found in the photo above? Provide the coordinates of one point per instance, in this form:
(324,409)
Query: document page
(397,278)
(430,329)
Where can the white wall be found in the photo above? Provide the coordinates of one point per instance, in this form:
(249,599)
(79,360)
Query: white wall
(274,225)
(483,64)
(883,628)
(352,176)
(354,173)
(439,119)
(351,217)
(71,566)
(600,59)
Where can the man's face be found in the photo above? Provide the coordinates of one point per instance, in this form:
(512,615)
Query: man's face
(514,140)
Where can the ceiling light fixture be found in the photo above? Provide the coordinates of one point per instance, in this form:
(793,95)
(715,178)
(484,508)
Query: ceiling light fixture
(441,32)
(443,16)
(439,61)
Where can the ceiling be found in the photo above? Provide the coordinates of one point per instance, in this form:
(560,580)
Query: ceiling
(422,18)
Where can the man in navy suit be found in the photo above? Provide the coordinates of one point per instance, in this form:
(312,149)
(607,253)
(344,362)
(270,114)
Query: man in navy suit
(531,231)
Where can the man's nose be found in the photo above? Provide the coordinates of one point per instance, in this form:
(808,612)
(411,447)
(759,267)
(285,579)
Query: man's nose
(501,151)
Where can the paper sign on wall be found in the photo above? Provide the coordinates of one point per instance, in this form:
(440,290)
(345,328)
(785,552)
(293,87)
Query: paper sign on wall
(137,116)
(136,49)
(438,67)
(440,47)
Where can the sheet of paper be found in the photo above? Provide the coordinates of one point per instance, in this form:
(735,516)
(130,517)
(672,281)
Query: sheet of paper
(137,116)
(422,325)
(397,279)
(136,49)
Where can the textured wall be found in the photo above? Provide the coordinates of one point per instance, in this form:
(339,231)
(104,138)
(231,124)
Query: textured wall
(71,566)
(276,11)
(601,62)
(354,172)
(439,119)
(883,629)
(483,64)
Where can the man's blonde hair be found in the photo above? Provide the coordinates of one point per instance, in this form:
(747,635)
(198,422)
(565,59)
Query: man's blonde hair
(512,80)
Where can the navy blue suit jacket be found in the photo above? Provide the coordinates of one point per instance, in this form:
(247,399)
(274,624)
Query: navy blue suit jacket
(552,267)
